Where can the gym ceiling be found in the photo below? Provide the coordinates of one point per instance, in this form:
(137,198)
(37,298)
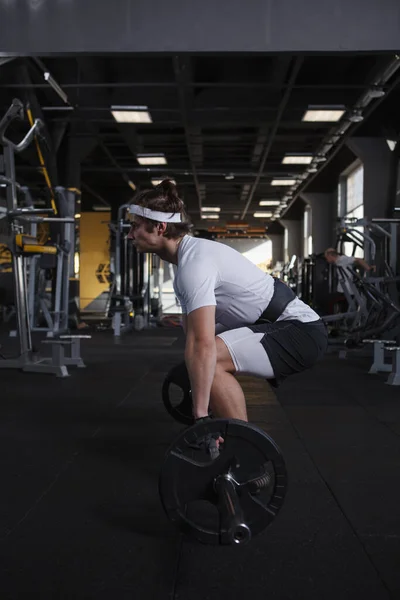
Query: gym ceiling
(231,128)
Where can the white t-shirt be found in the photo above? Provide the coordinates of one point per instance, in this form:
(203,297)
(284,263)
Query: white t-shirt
(344,262)
(212,274)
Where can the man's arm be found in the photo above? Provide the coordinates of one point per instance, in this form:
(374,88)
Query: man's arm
(201,356)
(184,323)
(218,327)
(362,263)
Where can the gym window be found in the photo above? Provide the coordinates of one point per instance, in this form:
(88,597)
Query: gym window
(351,201)
(286,245)
(307,232)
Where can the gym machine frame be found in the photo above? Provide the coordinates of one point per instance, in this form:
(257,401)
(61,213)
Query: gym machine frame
(121,321)
(57,323)
(27,360)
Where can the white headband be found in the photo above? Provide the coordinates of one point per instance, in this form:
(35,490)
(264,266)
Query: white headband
(142,211)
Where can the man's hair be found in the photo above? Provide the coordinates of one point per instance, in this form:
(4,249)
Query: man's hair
(331,252)
(164,198)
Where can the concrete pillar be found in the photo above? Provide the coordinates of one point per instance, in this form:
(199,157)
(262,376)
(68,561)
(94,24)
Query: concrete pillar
(277,247)
(322,219)
(376,158)
(294,232)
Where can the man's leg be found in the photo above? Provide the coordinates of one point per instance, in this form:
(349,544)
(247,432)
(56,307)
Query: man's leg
(238,351)
(227,400)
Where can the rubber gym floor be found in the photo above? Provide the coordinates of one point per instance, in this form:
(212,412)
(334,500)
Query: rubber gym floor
(80,515)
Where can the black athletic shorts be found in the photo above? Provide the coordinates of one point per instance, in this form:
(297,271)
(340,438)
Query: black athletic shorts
(292,346)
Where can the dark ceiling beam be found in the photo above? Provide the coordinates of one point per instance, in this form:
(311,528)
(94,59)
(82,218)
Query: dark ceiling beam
(214,187)
(53,109)
(195,84)
(183,76)
(214,122)
(170,170)
(297,63)
(216,170)
(229,165)
(173,139)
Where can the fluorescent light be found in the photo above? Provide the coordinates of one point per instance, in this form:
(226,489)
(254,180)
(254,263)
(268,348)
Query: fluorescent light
(101,208)
(131,114)
(51,81)
(210,216)
(131,185)
(155,181)
(283,182)
(260,215)
(390,143)
(269,203)
(151,159)
(229,176)
(211,209)
(297,159)
(324,113)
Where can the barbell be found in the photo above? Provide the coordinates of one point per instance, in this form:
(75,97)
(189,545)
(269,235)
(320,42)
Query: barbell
(223,498)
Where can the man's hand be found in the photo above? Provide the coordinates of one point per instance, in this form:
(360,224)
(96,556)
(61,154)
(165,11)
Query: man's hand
(220,440)
(210,442)
(363,263)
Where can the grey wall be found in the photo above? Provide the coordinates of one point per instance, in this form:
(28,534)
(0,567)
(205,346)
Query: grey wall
(322,219)
(295,236)
(376,158)
(277,248)
(46,26)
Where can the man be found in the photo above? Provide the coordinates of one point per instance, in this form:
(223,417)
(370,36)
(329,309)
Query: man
(236,318)
(345,263)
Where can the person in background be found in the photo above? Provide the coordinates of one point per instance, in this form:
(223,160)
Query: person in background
(347,263)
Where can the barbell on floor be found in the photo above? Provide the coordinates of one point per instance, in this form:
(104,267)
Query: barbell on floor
(227,499)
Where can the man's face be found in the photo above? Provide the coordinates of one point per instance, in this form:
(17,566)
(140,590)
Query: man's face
(142,239)
(330,258)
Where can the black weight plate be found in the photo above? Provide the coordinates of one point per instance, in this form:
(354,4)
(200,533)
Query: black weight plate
(176,394)
(188,474)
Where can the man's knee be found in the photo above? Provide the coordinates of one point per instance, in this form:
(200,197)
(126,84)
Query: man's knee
(224,360)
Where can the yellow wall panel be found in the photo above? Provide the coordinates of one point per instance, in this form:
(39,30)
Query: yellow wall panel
(94,256)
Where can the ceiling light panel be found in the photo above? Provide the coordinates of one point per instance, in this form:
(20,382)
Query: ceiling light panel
(131,114)
(324,114)
(151,159)
(297,159)
(283,182)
